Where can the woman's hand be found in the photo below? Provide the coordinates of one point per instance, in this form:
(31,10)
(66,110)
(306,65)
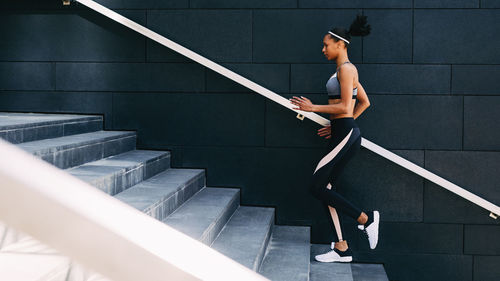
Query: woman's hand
(303,103)
(325,131)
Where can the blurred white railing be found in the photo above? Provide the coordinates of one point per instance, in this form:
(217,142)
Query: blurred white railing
(98,230)
(494,210)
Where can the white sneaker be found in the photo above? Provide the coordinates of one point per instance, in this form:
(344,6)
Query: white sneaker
(371,231)
(335,255)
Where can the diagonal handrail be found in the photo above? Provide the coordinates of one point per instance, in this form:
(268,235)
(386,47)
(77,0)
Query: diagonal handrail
(494,209)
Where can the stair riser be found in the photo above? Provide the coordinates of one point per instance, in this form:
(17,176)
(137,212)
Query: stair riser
(246,235)
(168,205)
(155,167)
(260,257)
(288,254)
(40,132)
(211,233)
(118,182)
(79,155)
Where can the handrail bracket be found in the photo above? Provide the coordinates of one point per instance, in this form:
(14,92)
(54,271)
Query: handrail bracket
(494,216)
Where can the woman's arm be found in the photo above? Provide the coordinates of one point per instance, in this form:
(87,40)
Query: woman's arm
(363,102)
(346,88)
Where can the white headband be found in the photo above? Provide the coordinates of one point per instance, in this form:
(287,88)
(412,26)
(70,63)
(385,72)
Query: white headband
(338,36)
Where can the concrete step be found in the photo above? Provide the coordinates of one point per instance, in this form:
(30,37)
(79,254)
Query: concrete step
(245,236)
(25,127)
(328,270)
(204,215)
(343,271)
(111,175)
(160,195)
(288,254)
(69,151)
(368,272)
(117,173)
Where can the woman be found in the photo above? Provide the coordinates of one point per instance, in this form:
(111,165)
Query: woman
(345,139)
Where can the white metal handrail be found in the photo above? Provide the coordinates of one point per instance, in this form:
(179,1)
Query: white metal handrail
(494,210)
(100,231)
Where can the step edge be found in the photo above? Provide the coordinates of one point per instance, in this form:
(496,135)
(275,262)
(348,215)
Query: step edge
(49,123)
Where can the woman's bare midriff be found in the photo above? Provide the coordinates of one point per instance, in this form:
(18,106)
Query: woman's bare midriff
(349,114)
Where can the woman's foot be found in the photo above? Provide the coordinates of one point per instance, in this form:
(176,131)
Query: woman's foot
(370,228)
(335,255)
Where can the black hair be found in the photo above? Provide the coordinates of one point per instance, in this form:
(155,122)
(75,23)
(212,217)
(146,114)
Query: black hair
(358,28)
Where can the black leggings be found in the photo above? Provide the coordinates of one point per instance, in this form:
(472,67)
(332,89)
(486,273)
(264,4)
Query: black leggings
(345,141)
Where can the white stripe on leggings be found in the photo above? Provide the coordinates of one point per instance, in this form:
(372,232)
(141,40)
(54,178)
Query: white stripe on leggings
(333,153)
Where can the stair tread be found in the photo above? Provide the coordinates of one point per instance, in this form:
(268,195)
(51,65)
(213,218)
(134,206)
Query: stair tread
(116,173)
(288,254)
(128,158)
(52,145)
(344,271)
(196,216)
(21,128)
(329,270)
(13,120)
(244,237)
(368,272)
(118,162)
(148,192)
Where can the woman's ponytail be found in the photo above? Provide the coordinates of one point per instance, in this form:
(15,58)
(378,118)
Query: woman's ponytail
(359,27)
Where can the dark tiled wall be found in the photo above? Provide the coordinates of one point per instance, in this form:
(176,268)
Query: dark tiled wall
(431,69)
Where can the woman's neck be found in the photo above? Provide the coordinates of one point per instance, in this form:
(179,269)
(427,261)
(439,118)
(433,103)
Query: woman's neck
(341,58)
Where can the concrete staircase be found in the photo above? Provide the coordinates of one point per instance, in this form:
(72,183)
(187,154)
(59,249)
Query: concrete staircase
(180,198)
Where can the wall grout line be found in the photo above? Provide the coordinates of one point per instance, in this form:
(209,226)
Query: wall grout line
(451,79)
(423,191)
(146,41)
(362,43)
(229,92)
(237,62)
(255,8)
(463,239)
(54,73)
(413,32)
(473,259)
(463,123)
(251,35)
(112,111)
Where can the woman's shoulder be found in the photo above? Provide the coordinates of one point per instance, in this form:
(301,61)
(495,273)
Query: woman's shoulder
(349,65)
(347,68)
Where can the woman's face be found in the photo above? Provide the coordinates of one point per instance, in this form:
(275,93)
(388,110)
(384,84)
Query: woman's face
(330,47)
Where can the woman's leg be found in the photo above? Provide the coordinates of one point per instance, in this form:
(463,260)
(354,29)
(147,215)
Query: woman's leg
(334,222)
(329,170)
(346,139)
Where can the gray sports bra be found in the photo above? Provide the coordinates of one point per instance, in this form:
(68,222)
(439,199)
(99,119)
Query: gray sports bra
(333,87)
